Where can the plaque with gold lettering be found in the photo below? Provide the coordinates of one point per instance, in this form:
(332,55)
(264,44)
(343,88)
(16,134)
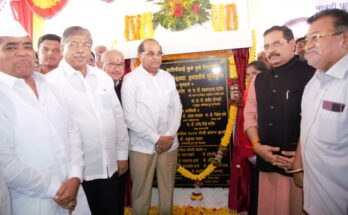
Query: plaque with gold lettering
(203,89)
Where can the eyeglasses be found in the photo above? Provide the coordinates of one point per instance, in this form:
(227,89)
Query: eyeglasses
(115,65)
(84,46)
(316,36)
(275,44)
(152,53)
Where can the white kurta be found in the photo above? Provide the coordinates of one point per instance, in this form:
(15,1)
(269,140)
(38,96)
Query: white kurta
(324,141)
(99,115)
(40,145)
(152,108)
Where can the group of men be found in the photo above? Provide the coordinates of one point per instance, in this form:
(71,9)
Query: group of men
(295,118)
(67,127)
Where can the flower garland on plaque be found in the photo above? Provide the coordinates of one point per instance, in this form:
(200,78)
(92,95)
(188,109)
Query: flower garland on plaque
(225,140)
(177,15)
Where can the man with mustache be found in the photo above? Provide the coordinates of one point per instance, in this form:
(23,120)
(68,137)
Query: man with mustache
(41,157)
(49,52)
(96,109)
(272,122)
(324,134)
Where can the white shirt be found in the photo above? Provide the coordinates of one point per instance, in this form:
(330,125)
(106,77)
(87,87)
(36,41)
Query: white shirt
(324,141)
(98,113)
(152,108)
(40,145)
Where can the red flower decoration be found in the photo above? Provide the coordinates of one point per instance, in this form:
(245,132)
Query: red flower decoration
(178,12)
(195,8)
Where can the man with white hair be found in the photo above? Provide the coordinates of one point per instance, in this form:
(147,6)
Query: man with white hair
(41,157)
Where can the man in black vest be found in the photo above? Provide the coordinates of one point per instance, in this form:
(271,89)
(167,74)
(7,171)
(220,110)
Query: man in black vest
(272,121)
(112,62)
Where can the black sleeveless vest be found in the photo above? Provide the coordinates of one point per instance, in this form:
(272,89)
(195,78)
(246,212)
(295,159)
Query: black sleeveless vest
(278,94)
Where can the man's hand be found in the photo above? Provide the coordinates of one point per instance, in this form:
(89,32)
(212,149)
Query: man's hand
(164,143)
(266,152)
(66,195)
(284,162)
(122,167)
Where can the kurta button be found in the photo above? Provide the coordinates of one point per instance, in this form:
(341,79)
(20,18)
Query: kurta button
(270,124)
(271,107)
(274,91)
(276,76)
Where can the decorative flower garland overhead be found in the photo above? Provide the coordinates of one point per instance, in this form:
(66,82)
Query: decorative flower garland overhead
(138,27)
(224,17)
(46,9)
(177,15)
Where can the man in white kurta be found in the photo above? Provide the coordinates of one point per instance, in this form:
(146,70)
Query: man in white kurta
(153,111)
(324,133)
(90,94)
(41,156)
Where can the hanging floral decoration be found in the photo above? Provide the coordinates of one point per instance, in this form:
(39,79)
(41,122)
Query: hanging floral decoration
(177,15)
(224,17)
(138,27)
(252,52)
(46,9)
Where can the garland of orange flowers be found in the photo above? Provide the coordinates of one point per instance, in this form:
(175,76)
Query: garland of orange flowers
(226,19)
(231,14)
(252,52)
(138,27)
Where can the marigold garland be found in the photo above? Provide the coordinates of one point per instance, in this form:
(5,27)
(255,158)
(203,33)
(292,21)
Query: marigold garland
(252,52)
(138,27)
(189,210)
(224,17)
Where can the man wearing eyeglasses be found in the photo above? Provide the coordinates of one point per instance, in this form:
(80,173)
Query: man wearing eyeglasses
(324,134)
(152,110)
(95,107)
(49,52)
(113,65)
(272,122)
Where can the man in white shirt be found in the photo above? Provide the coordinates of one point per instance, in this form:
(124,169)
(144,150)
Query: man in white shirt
(41,157)
(324,133)
(153,111)
(98,113)
(113,64)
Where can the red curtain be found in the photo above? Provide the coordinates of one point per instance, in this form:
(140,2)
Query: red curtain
(240,177)
(23,14)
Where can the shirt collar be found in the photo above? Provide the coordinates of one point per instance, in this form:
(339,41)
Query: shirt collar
(339,69)
(69,71)
(10,80)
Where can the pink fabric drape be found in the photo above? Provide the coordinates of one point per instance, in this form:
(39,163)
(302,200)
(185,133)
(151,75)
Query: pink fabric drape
(240,177)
